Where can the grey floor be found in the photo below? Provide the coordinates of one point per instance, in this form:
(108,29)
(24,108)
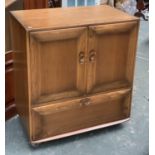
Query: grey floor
(130,138)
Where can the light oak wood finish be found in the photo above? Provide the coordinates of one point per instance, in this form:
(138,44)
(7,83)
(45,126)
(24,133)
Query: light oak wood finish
(34,143)
(72,115)
(70,17)
(59,54)
(111,49)
(78,72)
(19,41)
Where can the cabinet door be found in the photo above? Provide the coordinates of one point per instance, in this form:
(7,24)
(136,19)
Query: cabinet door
(111,56)
(57,62)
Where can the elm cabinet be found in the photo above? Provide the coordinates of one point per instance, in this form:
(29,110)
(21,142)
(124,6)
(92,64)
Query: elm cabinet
(77,69)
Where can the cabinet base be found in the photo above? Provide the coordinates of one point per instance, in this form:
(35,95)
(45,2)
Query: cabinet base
(79,131)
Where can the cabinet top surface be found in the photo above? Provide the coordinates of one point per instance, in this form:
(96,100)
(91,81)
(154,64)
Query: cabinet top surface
(69,17)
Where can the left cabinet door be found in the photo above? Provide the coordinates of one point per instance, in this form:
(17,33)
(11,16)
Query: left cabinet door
(57,64)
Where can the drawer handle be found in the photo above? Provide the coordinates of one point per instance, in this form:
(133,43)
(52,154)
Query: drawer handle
(92,55)
(85,102)
(81,57)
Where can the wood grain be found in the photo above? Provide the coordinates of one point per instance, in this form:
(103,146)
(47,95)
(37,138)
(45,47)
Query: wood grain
(70,17)
(19,46)
(55,54)
(77,68)
(9,77)
(10,108)
(74,115)
(114,45)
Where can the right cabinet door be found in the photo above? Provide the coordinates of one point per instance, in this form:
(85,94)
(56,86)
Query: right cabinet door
(111,56)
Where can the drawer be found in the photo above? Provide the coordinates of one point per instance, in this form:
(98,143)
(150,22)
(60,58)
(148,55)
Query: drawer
(56,119)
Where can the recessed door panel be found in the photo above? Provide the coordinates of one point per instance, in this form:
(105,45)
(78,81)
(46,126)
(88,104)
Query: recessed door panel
(111,54)
(58,64)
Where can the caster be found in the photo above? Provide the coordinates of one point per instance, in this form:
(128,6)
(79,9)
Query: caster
(35,145)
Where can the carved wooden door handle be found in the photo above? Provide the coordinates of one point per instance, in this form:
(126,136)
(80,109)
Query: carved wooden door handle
(92,56)
(81,57)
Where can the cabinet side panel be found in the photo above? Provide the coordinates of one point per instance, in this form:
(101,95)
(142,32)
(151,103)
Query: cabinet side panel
(19,47)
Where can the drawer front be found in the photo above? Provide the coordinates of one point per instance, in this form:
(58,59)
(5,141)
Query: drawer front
(69,116)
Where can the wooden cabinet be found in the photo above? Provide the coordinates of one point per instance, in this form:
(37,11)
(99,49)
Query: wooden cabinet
(78,72)
(10,109)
